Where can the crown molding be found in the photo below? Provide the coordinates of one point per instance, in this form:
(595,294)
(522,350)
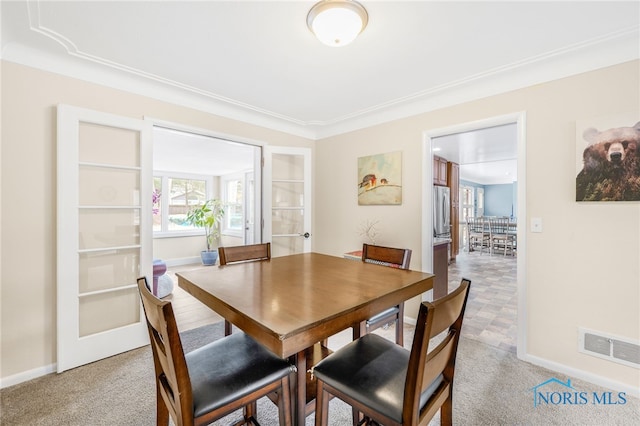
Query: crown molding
(621,46)
(613,49)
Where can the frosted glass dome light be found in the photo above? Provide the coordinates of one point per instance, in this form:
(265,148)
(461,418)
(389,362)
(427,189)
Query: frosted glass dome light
(337,22)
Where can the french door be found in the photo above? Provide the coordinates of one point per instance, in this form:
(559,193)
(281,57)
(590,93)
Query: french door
(103,235)
(287,199)
(480,200)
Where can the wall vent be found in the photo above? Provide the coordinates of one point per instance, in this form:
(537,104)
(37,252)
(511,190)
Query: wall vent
(607,346)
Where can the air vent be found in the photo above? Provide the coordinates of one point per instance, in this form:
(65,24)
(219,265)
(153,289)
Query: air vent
(606,346)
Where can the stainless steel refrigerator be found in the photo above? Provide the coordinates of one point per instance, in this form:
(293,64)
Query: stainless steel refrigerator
(441,212)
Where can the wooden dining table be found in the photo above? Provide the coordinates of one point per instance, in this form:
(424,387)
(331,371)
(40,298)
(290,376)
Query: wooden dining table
(291,303)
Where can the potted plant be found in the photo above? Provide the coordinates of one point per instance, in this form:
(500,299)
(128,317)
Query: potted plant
(208,216)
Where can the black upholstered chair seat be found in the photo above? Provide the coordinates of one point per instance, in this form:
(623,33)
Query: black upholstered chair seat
(373,371)
(215,380)
(387,384)
(229,369)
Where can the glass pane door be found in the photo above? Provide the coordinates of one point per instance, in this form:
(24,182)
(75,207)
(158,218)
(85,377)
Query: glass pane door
(290,200)
(103,242)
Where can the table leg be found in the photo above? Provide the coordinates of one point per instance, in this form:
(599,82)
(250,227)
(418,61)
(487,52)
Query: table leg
(359,330)
(300,394)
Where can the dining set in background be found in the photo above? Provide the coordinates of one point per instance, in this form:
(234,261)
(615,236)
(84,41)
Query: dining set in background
(495,234)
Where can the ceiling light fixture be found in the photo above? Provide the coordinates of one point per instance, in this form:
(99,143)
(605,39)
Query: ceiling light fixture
(337,22)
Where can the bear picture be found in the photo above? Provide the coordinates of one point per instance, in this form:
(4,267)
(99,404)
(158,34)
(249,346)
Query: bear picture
(609,166)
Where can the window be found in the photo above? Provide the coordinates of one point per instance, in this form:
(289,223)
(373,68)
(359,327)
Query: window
(191,167)
(467,207)
(233,200)
(173,197)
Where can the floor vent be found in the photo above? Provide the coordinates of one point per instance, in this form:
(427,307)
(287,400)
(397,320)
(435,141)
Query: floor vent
(606,346)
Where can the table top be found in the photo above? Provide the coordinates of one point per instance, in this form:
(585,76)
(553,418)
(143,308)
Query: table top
(289,303)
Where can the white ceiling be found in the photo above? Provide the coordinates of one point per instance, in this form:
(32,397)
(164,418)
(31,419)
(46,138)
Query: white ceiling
(257,62)
(183,152)
(487,156)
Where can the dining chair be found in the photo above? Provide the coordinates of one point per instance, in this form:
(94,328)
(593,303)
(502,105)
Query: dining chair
(208,383)
(502,235)
(233,254)
(394,386)
(478,234)
(393,257)
(245,253)
(513,230)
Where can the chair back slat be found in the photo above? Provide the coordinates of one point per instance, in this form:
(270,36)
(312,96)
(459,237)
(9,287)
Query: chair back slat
(398,257)
(437,360)
(499,225)
(168,355)
(474,224)
(244,253)
(446,312)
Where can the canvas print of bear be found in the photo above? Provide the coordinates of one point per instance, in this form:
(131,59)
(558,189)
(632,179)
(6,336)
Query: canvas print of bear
(608,160)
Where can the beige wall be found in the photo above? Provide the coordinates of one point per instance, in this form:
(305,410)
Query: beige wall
(181,250)
(28,197)
(583,270)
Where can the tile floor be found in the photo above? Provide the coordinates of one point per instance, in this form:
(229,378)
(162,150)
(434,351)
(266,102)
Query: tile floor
(491,315)
(491,309)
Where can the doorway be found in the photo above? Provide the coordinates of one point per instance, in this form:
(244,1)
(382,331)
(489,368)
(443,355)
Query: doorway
(517,120)
(191,166)
(266,191)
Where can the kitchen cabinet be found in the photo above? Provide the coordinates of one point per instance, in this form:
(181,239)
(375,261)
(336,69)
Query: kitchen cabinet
(453,181)
(439,171)
(440,268)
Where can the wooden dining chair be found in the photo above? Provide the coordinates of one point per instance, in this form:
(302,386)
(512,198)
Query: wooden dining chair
(393,257)
(210,382)
(391,385)
(501,235)
(478,234)
(246,253)
(233,254)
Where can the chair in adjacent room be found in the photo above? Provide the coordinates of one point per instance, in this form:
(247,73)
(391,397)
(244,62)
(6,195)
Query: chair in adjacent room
(478,234)
(502,236)
(391,385)
(393,257)
(246,253)
(208,383)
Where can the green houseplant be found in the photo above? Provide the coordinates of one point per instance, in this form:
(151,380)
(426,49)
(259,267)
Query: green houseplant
(208,216)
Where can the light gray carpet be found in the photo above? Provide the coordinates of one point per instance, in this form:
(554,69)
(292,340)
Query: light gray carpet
(492,388)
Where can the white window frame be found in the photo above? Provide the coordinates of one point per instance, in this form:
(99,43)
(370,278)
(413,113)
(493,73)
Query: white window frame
(240,176)
(164,197)
(464,206)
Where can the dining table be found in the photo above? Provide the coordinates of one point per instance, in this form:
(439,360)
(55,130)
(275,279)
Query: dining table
(291,303)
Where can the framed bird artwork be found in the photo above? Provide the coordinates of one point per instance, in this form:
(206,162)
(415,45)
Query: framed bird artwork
(380,179)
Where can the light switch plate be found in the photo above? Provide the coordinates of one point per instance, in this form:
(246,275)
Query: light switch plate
(536,224)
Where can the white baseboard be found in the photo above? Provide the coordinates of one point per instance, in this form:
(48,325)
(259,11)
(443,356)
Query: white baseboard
(583,375)
(183,261)
(409,320)
(25,376)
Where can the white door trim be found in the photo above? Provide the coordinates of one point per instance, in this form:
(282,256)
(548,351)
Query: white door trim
(519,118)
